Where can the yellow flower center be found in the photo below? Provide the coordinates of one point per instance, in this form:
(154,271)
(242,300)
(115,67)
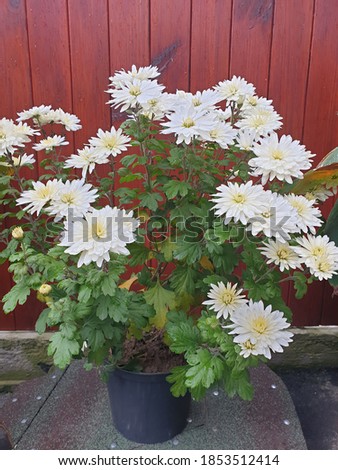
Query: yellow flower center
(266,214)
(233,89)
(239,198)
(277,155)
(324,266)
(196,102)
(298,206)
(44,193)
(68,198)
(248,345)
(258,121)
(252,100)
(110,142)
(260,325)
(318,251)
(188,122)
(228,298)
(100,230)
(282,253)
(213,134)
(135,90)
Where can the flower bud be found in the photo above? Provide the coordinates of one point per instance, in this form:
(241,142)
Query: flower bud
(45,289)
(17,233)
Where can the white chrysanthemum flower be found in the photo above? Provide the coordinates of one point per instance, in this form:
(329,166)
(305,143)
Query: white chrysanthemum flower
(281,254)
(222,133)
(283,159)
(245,139)
(14,135)
(320,195)
(223,115)
(70,121)
(23,160)
(257,103)
(34,113)
(111,142)
(50,143)
(262,327)
(189,123)
(135,94)
(236,89)
(74,196)
(261,122)
(101,232)
(239,202)
(122,77)
(206,99)
(86,159)
(38,197)
(250,349)
(308,216)
(319,254)
(277,219)
(224,300)
(156,108)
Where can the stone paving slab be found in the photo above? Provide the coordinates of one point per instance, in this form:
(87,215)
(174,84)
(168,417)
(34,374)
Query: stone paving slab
(74,413)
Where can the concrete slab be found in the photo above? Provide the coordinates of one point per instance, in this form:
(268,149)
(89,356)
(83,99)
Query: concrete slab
(76,415)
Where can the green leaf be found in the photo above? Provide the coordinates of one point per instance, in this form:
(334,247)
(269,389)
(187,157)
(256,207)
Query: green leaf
(129,160)
(41,323)
(182,280)
(113,307)
(176,188)
(190,252)
(85,293)
(18,294)
(300,284)
(162,300)
(238,382)
(205,369)
(177,377)
(139,254)
(63,348)
(331,157)
(183,337)
(150,200)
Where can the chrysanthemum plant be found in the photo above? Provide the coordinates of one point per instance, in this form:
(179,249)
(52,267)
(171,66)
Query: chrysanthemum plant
(176,258)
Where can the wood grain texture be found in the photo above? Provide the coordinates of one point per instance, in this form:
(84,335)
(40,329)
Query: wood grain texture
(89,66)
(210,43)
(129,33)
(290,58)
(251,41)
(170,41)
(63,51)
(47,24)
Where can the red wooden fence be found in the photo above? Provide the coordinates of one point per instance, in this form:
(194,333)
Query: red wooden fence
(61,52)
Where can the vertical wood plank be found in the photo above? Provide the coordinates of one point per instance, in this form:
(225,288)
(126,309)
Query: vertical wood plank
(290,56)
(321,132)
(49,52)
(210,43)
(16,96)
(251,41)
(14,59)
(170,22)
(89,46)
(129,33)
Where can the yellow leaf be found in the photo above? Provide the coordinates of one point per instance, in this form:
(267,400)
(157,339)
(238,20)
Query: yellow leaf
(206,263)
(127,284)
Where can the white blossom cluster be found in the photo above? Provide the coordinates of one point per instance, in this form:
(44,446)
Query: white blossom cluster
(229,115)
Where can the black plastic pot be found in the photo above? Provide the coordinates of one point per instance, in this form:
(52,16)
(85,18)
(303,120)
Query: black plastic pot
(143,408)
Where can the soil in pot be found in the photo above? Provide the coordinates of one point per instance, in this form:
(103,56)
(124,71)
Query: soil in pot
(143,408)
